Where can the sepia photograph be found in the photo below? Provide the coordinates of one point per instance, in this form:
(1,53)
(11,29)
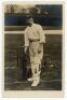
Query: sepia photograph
(33,38)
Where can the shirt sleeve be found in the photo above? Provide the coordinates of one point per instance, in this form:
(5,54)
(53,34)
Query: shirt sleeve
(42,35)
(26,38)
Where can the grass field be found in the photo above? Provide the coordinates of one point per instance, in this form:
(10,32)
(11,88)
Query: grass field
(15,64)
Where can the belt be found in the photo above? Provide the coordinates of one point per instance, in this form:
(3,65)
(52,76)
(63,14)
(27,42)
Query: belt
(34,40)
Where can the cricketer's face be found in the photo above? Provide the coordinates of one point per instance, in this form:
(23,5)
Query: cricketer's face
(30,21)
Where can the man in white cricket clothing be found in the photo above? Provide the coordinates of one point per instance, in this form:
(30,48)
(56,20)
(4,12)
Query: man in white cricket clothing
(34,39)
